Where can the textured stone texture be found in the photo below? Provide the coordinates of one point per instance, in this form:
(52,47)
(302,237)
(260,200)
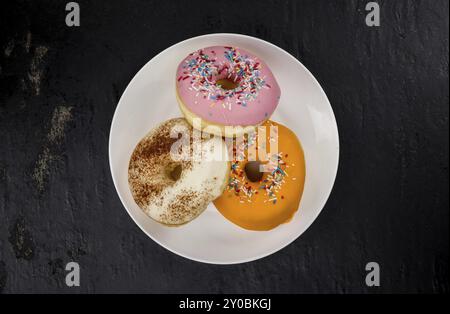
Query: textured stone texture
(388,86)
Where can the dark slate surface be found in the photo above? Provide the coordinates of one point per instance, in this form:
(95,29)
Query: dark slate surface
(389,90)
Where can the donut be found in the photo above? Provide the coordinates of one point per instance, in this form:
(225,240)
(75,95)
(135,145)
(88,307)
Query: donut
(257,200)
(226,86)
(168,181)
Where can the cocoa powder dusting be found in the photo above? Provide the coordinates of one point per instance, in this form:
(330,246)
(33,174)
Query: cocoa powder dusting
(150,158)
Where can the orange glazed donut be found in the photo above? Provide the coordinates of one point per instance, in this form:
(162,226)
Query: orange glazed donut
(257,200)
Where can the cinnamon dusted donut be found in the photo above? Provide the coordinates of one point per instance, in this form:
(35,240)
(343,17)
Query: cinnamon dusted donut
(170,182)
(226,86)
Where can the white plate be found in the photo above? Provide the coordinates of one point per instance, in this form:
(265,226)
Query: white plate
(150,99)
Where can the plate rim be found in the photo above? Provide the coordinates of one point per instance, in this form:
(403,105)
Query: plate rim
(334,174)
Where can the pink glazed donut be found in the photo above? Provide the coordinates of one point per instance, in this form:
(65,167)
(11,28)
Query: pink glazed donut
(226,86)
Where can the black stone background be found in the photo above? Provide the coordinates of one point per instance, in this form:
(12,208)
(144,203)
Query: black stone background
(388,86)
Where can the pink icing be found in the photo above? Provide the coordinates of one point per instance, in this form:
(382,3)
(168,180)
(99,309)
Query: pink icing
(252,102)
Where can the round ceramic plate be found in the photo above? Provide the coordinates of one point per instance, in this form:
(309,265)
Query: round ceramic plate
(150,99)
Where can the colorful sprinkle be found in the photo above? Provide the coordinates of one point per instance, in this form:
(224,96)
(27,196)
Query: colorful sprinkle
(272,182)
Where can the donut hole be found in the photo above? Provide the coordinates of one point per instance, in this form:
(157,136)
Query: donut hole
(252,171)
(226,84)
(173,171)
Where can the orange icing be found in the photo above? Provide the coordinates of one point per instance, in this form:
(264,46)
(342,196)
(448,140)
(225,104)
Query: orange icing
(256,206)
